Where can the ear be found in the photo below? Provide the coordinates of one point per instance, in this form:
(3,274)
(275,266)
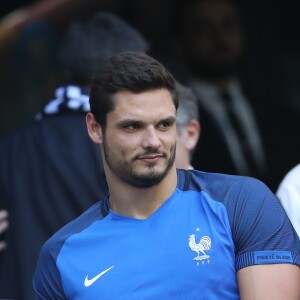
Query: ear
(192,134)
(94,128)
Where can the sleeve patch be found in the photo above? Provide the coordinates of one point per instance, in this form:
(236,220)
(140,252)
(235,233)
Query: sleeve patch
(266,257)
(272,257)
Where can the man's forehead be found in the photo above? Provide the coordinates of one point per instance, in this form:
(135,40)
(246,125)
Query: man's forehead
(156,103)
(124,93)
(144,98)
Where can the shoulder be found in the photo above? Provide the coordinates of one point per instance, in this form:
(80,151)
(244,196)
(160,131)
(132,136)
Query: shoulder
(224,187)
(54,244)
(47,274)
(256,217)
(239,194)
(39,138)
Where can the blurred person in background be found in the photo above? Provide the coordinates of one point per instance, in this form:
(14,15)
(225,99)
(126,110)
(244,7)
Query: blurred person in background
(213,45)
(30,36)
(289,195)
(50,170)
(188,126)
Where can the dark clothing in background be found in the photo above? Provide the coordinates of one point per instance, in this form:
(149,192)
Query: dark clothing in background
(279,126)
(231,141)
(50,173)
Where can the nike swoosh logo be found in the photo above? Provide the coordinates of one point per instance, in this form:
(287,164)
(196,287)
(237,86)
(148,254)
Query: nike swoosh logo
(88,282)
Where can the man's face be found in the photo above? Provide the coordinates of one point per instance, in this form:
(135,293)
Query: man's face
(213,37)
(139,141)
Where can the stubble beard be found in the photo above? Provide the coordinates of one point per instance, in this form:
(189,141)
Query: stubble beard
(126,173)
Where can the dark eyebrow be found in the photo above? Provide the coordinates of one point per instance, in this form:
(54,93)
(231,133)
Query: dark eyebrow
(127,122)
(169,120)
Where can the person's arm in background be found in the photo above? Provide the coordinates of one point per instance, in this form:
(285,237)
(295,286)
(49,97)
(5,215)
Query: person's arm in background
(3,227)
(59,13)
(289,195)
(269,282)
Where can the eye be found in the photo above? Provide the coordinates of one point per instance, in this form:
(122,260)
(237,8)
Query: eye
(131,126)
(164,124)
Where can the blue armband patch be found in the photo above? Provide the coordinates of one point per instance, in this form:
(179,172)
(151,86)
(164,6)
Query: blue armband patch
(272,257)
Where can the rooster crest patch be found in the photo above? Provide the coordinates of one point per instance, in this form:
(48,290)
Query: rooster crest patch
(200,248)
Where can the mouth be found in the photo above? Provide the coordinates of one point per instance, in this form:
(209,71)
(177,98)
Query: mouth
(151,158)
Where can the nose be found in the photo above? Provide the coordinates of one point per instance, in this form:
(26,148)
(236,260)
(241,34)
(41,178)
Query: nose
(151,138)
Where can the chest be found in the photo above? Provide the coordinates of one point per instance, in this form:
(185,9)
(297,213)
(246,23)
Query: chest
(181,254)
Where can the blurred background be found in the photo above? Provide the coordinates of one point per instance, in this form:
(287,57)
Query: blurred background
(31,33)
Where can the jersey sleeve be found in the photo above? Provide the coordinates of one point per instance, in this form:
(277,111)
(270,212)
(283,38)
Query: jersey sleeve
(261,230)
(46,280)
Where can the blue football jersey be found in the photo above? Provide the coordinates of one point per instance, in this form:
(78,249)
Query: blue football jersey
(190,248)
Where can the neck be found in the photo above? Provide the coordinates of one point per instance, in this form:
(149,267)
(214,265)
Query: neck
(136,202)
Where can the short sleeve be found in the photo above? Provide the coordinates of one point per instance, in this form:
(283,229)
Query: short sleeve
(262,232)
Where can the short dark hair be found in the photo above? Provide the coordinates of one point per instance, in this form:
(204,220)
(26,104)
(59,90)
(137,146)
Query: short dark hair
(127,71)
(90,41)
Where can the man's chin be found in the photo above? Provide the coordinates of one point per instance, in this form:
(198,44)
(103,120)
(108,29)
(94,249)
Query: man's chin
(147,179)
(145,176)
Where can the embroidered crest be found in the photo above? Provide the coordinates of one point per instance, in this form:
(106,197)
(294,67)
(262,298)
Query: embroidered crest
(200,248)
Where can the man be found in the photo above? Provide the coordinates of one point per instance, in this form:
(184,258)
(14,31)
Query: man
(188,127)
(162,233)
(213,42)
(50,170)
(288,193)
